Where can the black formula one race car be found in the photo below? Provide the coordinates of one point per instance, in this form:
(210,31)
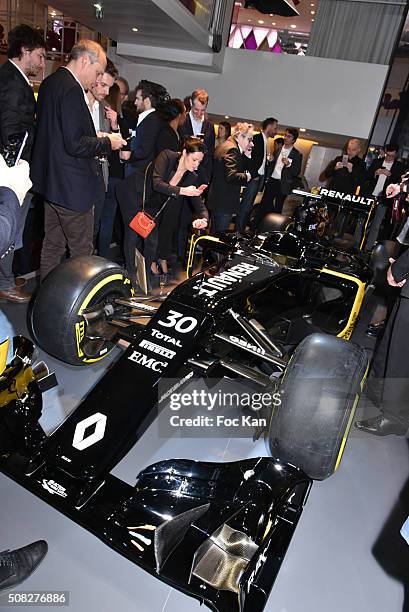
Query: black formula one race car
(274,310)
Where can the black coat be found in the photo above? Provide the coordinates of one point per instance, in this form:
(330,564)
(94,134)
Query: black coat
(257,155)
(228,177)
(157,189)
(342,180)
(400,270)
(167,139)
(145,148)
(397,169)
(17,107)
(289,174)
(205,168)
(64,169)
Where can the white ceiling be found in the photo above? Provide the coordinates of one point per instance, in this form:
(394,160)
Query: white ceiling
(155,27)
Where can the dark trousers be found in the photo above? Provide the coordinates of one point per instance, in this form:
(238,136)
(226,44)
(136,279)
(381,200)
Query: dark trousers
(272,201)
(108,217)
(98,210)
(219,222)
(184,223)
(167,226)
(132,240)
(247,201)
(390,369)
(64,228)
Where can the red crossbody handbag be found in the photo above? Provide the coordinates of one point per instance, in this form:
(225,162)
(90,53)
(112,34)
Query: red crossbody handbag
(143,223)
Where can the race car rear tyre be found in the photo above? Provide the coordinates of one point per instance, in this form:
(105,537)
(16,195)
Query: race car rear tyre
(318,394)
(57,323)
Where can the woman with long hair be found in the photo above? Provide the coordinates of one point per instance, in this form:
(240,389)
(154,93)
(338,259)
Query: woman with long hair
(170,178)
(174,177)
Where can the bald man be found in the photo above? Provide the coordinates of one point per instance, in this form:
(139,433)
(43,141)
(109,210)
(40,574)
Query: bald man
(342,177)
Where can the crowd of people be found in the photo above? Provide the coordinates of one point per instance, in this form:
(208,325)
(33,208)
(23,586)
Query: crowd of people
(94,152)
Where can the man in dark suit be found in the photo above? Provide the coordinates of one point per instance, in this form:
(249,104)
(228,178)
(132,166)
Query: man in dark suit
(346,177)
(17,115)
(65,170)
(283,172)
(229,174)
(149,98)
(257,166)
(381,173)
(197,124)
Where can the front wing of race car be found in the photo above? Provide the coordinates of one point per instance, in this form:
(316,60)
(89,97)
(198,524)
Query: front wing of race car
(216,531)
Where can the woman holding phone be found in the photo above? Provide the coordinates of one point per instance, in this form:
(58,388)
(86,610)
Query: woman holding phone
(174,177)
(170,178)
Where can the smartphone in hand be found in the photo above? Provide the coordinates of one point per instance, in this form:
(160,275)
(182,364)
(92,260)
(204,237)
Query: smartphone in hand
(14,148)
(202,187)
(345,160)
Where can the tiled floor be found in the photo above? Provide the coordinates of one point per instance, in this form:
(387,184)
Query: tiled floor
(346,554)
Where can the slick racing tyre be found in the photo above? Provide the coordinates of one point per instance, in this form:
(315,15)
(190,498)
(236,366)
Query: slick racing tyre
(319,393)
(58,316)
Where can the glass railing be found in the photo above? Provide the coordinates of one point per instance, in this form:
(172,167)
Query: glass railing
(201,9)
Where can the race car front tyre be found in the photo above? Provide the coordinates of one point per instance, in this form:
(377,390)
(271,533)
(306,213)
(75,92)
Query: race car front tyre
(318,397)
(68,292)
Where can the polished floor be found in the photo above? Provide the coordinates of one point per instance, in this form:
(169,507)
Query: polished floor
(346,554)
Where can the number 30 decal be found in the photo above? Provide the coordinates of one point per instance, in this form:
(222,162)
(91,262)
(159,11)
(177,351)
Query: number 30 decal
(182,324)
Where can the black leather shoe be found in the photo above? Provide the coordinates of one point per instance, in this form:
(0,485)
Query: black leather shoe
(17,565)
(381,426)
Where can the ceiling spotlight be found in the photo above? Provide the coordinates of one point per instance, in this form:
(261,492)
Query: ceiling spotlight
(260,21)
(312,19)
(99,10)
(135,30)
(293,26)
(273,23)
(303,130)
(312,12)
(227,116)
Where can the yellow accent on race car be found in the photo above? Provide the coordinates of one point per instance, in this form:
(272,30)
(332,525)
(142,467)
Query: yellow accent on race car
(356,307)
(80,327)
(97,287)
(17,387)
(4,348)
(267,529)
(350,421)
(193,242)
(366,226)
(79,336)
